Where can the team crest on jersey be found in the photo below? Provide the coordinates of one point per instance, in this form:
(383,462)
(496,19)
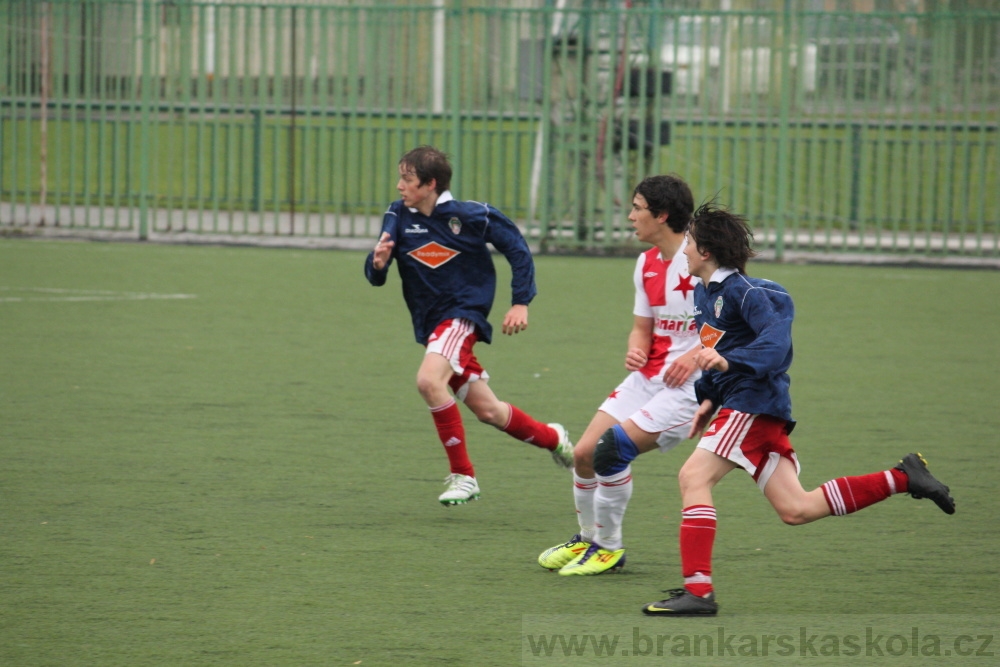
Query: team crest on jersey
(433,254)
(456,225)
(718,307)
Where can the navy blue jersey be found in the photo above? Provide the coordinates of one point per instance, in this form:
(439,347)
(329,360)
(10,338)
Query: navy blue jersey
(446,266)
(749,322)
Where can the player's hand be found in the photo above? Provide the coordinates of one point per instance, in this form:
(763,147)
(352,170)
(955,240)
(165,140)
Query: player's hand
(702,418)
(382,251)
(708,359)
(635,359)
(516,320)
(680,369)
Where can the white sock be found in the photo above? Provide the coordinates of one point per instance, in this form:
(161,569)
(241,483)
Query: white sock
(610,501)
(584,490)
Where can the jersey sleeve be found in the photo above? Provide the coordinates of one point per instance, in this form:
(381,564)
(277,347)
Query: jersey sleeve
(769,313)
(508,240)
(377,277)
(641,307)
(705,389)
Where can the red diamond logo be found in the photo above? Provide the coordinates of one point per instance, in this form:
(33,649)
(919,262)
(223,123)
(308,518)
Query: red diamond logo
(433,254)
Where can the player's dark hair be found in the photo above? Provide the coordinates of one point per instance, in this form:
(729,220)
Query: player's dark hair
(724,234)
(428,162)
(667,194)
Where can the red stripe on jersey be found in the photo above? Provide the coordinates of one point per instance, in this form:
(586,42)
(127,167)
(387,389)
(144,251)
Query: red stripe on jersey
(657,356)
(654,277)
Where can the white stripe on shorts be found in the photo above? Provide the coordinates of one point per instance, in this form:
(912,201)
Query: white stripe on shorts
(736,428)
(454,337)
(449,345)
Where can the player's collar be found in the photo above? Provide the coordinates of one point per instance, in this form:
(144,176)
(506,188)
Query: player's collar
(442,198)
(721,274)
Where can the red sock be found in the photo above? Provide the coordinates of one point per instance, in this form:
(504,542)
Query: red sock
(448,421)
(523,427)
(846,495)
(697,538)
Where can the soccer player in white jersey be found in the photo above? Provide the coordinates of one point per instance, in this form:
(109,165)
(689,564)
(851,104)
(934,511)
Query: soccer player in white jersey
(652,408)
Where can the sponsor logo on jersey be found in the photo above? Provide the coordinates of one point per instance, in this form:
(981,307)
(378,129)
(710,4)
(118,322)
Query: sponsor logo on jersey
(433,254)
(718,307)
(415,228)
(456,225)
(677,324)
(650,274)
(710,336)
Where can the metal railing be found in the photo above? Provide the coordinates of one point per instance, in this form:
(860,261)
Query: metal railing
(833,132)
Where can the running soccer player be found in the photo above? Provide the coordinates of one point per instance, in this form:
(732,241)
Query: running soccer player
(449,283)
(745,326)
(653,406)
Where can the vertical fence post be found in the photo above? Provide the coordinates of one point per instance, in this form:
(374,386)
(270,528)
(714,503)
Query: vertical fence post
(784,142)
(145,136)
(292,53)
(454,48)
(258,156)
(855,175)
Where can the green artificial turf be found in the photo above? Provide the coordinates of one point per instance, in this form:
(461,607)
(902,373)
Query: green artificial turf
(217,455)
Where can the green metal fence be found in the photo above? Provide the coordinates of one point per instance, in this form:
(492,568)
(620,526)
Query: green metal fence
(860,132)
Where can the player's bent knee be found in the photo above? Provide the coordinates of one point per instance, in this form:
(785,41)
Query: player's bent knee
(691,478)
(793,515)
(583,459)
(429,386)
(488,415)
(611,456)
(793,518)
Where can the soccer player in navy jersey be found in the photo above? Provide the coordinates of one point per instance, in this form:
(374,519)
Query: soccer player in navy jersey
(653,406)
(449,281)
(745,326)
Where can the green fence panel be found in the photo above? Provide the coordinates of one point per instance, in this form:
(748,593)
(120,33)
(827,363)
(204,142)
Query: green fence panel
(835,132)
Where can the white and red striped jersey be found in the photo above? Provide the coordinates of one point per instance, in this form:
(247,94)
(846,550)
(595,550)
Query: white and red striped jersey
(664,291)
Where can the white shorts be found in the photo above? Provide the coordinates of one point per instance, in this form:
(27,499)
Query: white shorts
(654,407)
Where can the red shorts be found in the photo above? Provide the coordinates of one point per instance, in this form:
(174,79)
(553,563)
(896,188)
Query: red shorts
(453,339)
(753,442)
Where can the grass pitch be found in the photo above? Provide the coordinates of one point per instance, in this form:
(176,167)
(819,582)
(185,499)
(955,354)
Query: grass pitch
(218,456)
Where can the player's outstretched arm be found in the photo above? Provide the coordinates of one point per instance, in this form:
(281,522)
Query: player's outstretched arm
(516,319)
